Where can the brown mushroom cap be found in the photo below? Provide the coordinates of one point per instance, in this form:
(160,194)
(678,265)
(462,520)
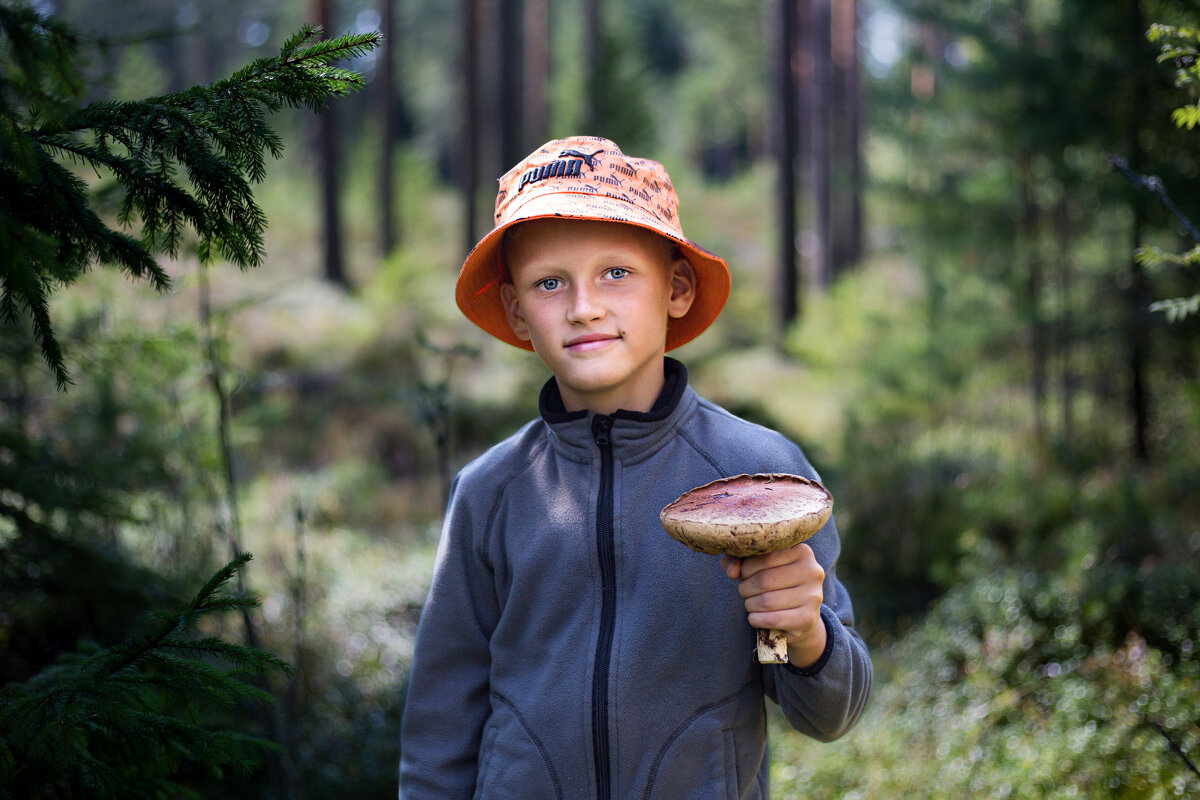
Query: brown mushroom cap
(748,515)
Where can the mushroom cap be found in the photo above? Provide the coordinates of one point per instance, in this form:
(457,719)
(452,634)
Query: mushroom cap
(748,515)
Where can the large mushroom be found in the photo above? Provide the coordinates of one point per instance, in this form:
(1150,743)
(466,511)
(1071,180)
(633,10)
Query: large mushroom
(750,515)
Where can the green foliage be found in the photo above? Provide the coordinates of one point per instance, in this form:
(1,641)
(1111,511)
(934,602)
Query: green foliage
(1178,308)
(1004,691)
(124,721)
(180,161)
(1180,46)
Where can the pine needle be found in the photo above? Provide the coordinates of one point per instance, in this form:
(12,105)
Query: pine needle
(184,163)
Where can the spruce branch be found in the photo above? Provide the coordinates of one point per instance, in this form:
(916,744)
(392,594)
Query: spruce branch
(109,724)
(182,163)
(1180,46)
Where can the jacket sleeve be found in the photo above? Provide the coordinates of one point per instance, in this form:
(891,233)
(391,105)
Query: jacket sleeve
(447,702)
(825,700)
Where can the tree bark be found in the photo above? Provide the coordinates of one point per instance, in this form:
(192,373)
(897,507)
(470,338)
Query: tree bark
(1139,292)
(1066,322)
(469,175)
(847,137)
(821,150)
(788,131)
(592,35)
(327,170)
(536,53)
(508,54)
(388,127)
(1029,226)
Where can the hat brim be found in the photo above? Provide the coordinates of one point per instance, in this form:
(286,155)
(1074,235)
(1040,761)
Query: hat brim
(478,289)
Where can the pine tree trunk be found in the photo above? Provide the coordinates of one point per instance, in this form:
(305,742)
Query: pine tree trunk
(1028,238)
(509,56)
(847,137)
(1138,296)
(592,36)
(388,127)
(537,73)
(1066,321)
(805,194)
(781,19)
(328,170)
(469,175)
(207,42)
(821,150)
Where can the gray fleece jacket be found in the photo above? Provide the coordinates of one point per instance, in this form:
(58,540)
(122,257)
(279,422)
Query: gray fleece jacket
(569,648)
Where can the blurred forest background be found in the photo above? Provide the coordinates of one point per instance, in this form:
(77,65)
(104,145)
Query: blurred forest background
(955,286)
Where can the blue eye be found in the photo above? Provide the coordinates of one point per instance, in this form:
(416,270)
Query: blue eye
(549,284)
(618,272)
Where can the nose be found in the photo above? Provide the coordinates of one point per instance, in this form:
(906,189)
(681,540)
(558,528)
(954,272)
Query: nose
(585,305)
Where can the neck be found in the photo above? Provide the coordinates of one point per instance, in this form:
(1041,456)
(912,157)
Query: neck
(673,380)
(641,400)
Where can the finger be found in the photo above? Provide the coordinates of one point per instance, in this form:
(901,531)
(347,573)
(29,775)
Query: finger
(732,566)
(796,626)
(755,564)
(805,598)
(796,611)
(803,573)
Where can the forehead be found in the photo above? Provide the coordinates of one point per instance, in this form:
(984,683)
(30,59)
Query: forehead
(527,240)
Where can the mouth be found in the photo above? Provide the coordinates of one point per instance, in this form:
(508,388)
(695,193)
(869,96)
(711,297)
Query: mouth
(590,341)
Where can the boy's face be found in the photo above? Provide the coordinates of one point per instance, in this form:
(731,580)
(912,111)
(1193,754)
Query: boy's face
(593,298)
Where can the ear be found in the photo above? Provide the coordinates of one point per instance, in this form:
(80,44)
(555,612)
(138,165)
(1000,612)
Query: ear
(683,287)
(512,310)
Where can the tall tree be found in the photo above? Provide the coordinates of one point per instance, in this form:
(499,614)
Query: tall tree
(389,127)
(329,172)
(593,38)
(1138,293)
(534,116)
(846,125)
(1029,224)
(781,19)
(820,154)
(469,131)
(508,53)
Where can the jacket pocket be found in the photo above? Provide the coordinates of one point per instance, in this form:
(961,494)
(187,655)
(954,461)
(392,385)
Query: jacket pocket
(717,754)
(731,764)
(513,762)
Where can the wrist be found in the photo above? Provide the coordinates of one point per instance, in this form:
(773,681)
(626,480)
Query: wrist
(806,653)
(829,624)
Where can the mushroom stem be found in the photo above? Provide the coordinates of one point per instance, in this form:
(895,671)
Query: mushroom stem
(772,647)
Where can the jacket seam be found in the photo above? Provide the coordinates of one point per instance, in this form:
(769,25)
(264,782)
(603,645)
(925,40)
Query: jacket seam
(501,491)
(700,451)
(683,726)
(537,742)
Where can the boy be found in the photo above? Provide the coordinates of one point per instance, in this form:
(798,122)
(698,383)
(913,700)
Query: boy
(569,647)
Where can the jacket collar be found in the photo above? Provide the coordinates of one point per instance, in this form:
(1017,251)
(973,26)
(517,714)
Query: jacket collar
(634,433)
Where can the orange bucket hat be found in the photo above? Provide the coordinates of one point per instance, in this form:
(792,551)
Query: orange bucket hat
(586,177)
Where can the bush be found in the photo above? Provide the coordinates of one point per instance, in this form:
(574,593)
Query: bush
(998,693)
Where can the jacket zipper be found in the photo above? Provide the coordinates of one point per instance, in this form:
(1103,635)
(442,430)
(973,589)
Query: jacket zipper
(605,547)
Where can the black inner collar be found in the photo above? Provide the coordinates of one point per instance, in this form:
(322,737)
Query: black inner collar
(675,377)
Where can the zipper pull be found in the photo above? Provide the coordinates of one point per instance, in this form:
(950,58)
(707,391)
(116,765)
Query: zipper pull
(601,426)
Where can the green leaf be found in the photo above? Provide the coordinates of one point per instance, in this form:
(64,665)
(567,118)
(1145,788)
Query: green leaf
(1186,116)
(1178,308)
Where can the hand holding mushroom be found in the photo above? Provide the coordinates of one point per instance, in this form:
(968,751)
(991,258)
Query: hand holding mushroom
(759,523)
(783,591)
